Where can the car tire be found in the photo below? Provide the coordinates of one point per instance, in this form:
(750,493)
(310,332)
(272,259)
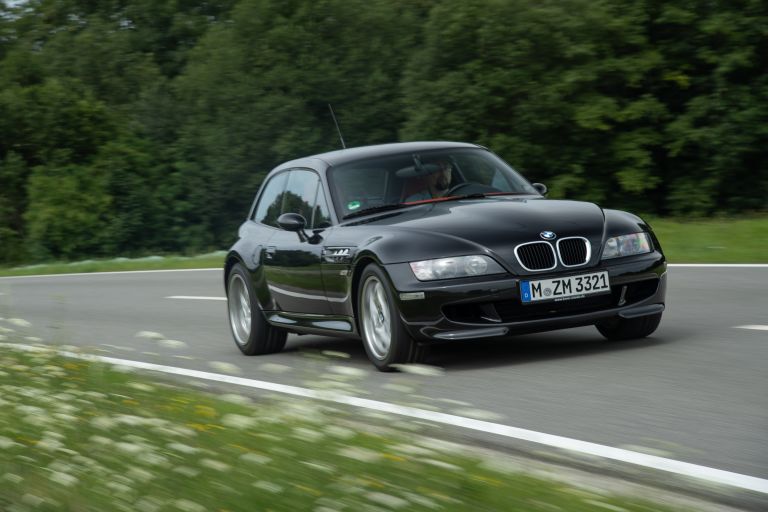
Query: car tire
(618,329)
(385,338)
(252,333)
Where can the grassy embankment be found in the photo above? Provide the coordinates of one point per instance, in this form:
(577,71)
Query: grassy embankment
(77,435)
(684,241)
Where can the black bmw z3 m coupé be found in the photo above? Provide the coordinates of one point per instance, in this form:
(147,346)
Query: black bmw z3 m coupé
(403,245)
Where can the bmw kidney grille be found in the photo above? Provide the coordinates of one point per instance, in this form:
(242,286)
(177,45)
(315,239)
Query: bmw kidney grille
(573,251)
(536,256)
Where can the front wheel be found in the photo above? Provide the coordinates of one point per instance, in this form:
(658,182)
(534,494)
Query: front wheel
(618,329)
(253,334)
(385,338)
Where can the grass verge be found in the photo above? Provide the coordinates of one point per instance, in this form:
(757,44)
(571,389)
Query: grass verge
(713,240)
(210,260)
(76,435)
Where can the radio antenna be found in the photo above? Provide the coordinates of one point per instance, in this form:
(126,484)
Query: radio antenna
(341,137)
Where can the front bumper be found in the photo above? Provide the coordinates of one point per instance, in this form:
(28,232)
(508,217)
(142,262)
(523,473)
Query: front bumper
(490,306)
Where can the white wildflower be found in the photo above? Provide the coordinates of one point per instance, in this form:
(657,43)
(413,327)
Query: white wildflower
(255,458)
(5,329)
(339,432)
(6,443)
(268,486)
(186,471)
(18,322)
(150,335)
(358,453)
(183,448)
(172,344)
(50,444)
(141,387)
(119,488)
(148,504)
(238,421)
(64,479)
(225,367)
(33,339)
(189,506)
(129,448)
(236,399)
(443,464)
(387,500)
(325,468)
(215,465)
(32,500)
(152,459)
(420,369)
(3,337)
(348,370)
(142,475)
(100,440)
(307,434)
(422,500)
(13,478)
(605,506)
(274,368)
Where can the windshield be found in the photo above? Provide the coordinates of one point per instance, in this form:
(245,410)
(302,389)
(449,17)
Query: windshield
(410,178)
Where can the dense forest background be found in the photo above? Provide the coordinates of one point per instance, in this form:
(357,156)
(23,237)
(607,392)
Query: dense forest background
(132,126)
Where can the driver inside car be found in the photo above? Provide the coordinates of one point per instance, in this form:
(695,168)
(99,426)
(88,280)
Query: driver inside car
(433,185)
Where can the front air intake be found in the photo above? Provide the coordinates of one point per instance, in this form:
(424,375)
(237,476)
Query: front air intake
(536,256)
(573,251)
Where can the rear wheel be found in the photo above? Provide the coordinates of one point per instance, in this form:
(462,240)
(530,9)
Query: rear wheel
(385,338)
(251,331)
(629,328)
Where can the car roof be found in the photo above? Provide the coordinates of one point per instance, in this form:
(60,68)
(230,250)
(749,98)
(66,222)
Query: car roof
(343,156)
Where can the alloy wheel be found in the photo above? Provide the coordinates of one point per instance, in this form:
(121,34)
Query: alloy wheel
(239,303)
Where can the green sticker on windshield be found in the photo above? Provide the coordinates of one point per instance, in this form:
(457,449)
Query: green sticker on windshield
(353,205)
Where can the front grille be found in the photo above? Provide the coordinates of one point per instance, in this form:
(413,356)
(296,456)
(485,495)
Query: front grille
(573,251)
(536,256)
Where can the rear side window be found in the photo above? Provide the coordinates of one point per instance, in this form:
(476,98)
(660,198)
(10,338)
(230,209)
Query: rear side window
(300,193)
(271,201)
(297,191)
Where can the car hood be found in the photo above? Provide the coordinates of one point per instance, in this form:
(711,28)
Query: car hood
(496,225)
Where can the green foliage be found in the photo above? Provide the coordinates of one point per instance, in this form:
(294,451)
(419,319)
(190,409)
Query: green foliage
(172,112)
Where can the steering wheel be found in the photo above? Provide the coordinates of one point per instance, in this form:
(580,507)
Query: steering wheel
(451,191)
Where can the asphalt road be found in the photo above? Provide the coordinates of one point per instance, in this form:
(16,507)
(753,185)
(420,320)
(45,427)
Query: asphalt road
(696,391)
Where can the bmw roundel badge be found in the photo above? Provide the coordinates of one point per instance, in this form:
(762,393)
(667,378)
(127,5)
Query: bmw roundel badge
(547,235)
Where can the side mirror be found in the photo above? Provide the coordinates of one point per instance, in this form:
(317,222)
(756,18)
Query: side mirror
(540,188)
(292,222)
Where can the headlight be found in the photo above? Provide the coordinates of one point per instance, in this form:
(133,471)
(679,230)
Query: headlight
(627,245)
(461,266)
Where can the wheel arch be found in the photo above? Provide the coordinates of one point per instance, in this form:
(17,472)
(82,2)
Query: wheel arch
(362,261)
(232,258)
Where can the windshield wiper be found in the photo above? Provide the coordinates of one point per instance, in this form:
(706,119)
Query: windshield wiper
(374,209)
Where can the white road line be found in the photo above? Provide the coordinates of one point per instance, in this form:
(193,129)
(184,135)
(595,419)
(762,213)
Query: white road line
(718,265)
(608,452)
(753,327)
(117,273)
(192,297)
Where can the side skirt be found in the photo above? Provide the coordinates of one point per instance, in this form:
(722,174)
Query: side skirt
(324,325)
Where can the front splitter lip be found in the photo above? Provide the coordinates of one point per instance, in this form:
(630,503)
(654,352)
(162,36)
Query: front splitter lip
(463,332)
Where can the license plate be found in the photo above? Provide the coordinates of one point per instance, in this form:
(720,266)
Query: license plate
(564,288)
